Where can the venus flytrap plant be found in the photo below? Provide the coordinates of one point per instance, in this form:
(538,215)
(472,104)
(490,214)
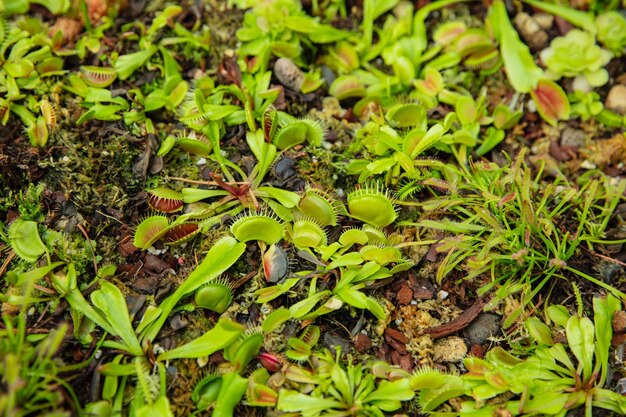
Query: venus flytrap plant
(402,44)
(110,313)
(30,371)
(27,65)
(219,258)
(279,28)
(343,389)
(358,258)
(467,125)
(126,65)
(23,237)
(398,154)
(522,72)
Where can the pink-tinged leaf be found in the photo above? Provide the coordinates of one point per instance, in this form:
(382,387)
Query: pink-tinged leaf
(432,83)
(447,32)
(551,101)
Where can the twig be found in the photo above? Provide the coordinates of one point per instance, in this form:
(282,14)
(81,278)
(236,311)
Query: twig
(458,323)
(6,263)
(93,253)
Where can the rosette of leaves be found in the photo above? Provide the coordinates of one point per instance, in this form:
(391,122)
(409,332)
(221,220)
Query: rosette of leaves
(612,31)
(26,61)
(585,105)
(577,55)
(396,152)
(278,28)
(359,257)
(342,389)
(549,378)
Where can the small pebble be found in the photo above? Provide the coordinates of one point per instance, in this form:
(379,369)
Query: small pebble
(573,137)
(362,342)
(288,74)
(531,31)
(545,20)
(485,326)
(616,99)
(588,165)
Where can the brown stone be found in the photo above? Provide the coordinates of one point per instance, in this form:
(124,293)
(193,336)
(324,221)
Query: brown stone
(618,339)
(404,294)
(477,350)
(396,346)
(396,335)
(395,358)
(531,31)
(362,342)
(406,363)
(424,290)
(449,349)
(155,264)
(619,322)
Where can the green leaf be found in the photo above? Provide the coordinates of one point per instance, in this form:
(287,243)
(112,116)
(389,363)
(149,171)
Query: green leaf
(521,70)
(125,65)
(232,389)
(243,350)
(359,300)
(559,314)
(20,69)
(159,408)
(223,334)
(110,301)
(399,390)
(288,199)
(580,338)
(294,401)
(352,258)
(603,312)
(36,274)
(548,403)
(55,6)
(192,195)
(301,308)
(25,240)
(466,110)
(539,331)
(432,136)
(275,319)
